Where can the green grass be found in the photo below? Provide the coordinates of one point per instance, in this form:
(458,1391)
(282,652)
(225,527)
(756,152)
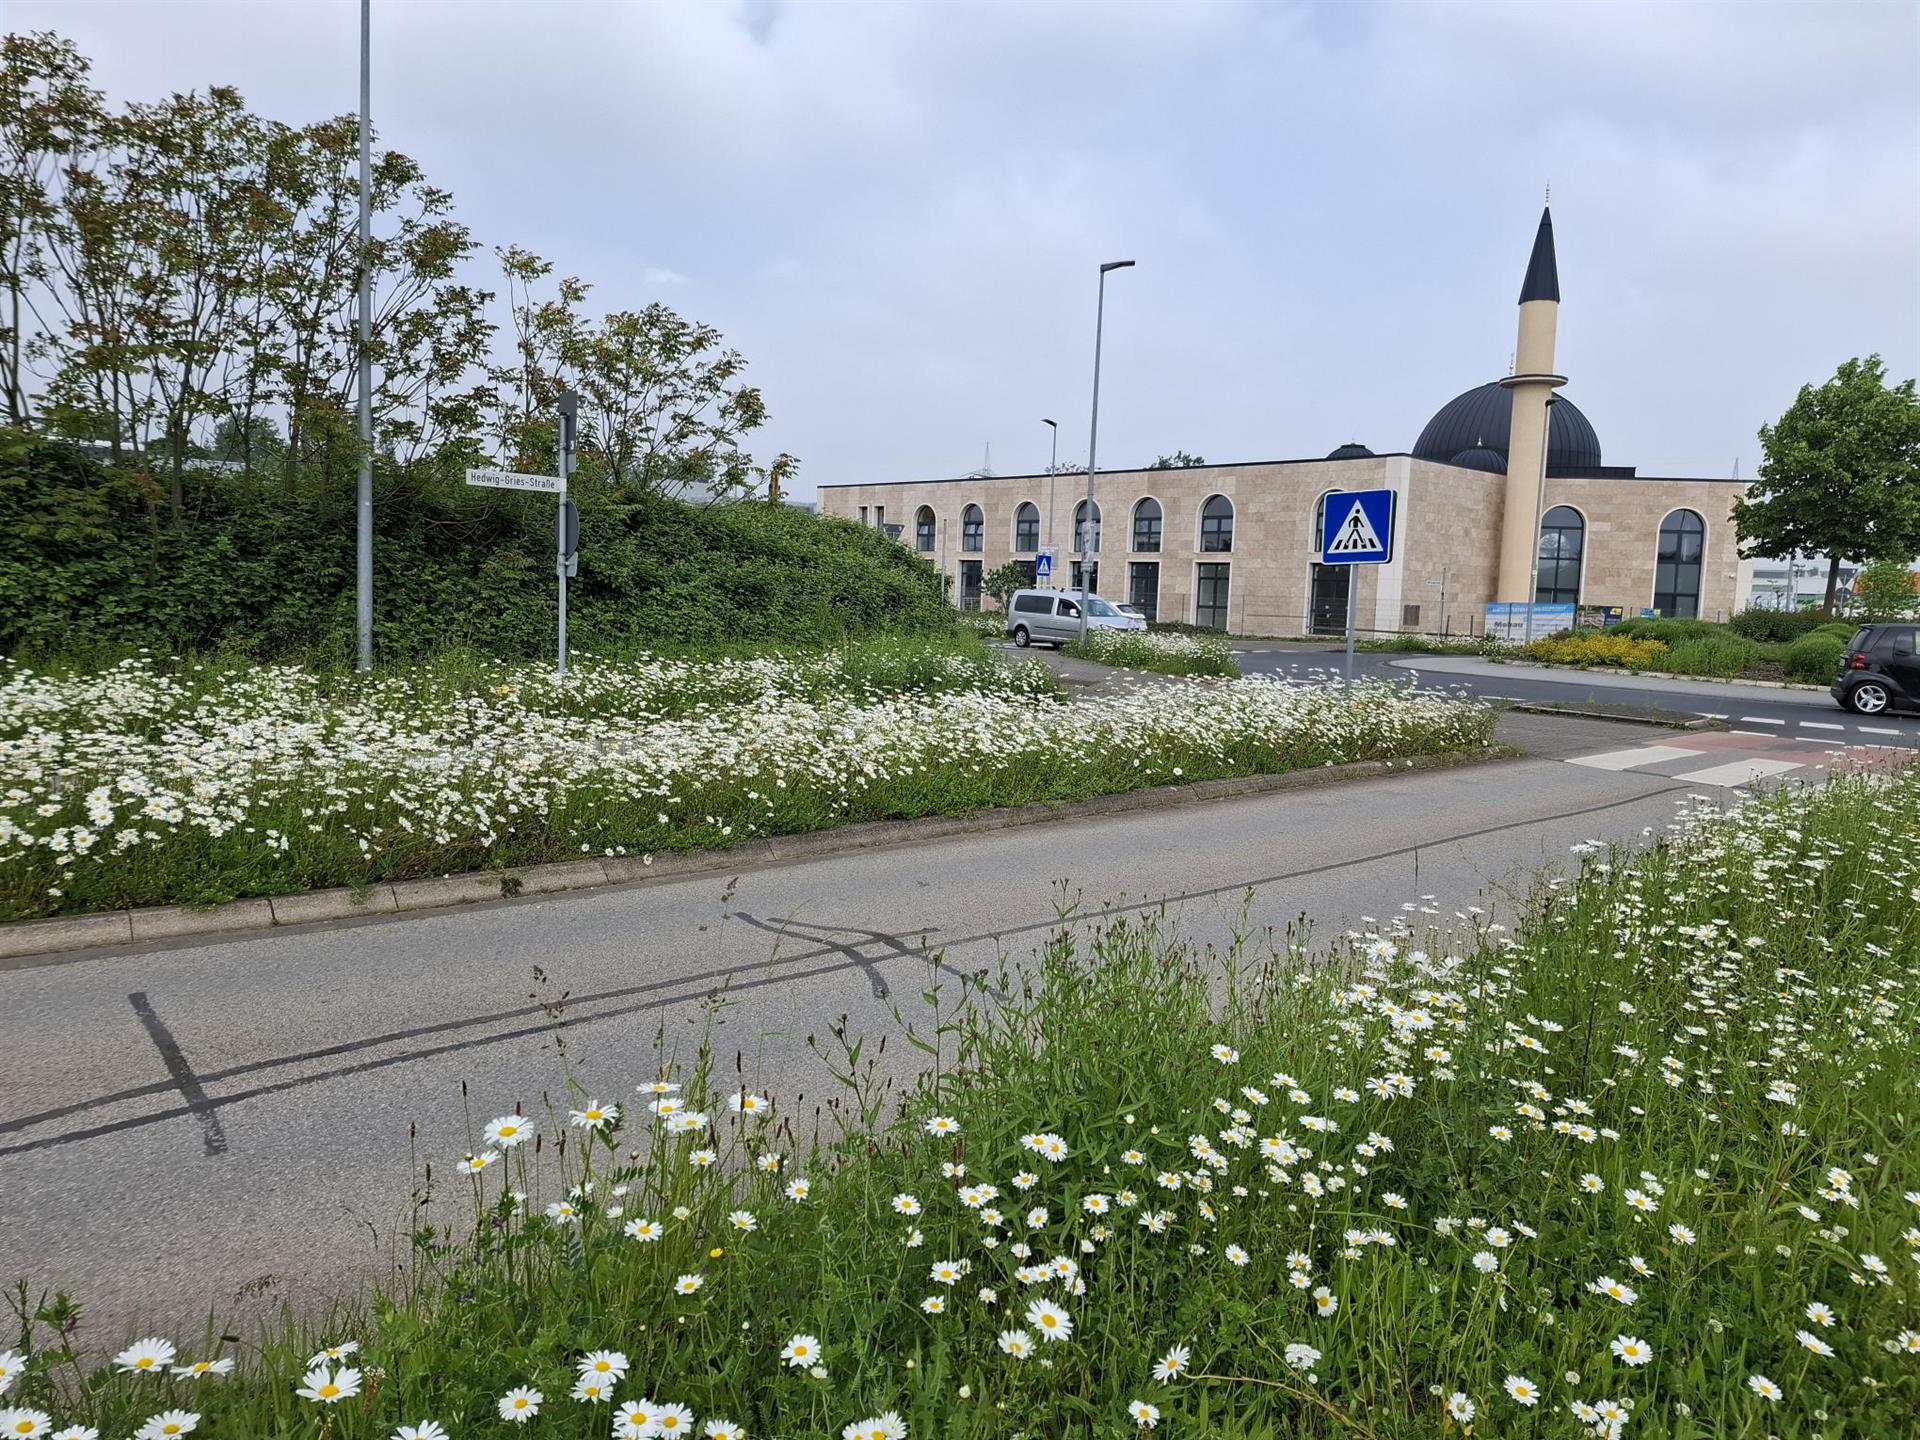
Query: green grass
(1733,1014)
(1162,652)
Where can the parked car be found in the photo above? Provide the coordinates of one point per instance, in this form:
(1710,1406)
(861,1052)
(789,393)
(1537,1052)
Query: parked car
(1880,671)
(1052,617)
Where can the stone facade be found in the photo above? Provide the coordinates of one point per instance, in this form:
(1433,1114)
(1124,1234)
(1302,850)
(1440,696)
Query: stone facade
(1444,572)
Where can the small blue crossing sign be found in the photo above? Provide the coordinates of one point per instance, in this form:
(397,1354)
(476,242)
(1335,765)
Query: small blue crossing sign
(1358,529)
(1043,566)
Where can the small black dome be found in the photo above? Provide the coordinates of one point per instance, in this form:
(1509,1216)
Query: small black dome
(1481,458)
(1483,417)
(1352,450)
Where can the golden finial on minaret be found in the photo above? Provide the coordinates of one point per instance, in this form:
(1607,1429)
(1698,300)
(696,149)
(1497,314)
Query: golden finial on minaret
(1549,199)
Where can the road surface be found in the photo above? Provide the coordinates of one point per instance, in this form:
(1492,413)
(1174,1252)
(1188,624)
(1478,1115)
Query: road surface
(182,1127)
(1811,714)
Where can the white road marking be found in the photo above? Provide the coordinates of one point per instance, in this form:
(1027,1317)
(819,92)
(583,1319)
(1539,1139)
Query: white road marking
(1627,759)
(1710,715)
(1738,772)
(1753,734)
(1759,720)
(1877,730)
(1820,725)
(1813,740)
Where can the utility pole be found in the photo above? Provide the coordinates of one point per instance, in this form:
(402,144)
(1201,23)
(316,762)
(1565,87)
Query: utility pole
(1539,500)
(363,509)
(1088,531)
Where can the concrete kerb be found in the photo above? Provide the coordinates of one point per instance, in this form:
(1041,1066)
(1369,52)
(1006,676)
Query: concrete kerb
(1662,675)
(23,939)
(1626,714)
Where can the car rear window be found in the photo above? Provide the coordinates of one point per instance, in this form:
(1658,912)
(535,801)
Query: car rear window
(1034,604)
(1861,640)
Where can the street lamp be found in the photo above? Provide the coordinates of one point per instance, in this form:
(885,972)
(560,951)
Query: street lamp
(363,496)
(1053,464)
(1093,440)
(1539,500)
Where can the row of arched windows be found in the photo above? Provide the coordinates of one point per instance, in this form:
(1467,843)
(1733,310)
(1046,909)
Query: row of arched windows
(1678,558)
(1216,527)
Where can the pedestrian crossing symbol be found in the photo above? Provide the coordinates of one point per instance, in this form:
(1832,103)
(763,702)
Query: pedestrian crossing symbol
(1358,528)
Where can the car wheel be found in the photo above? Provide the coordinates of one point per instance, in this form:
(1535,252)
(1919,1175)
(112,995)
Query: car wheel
(1869,697)
(1021,637)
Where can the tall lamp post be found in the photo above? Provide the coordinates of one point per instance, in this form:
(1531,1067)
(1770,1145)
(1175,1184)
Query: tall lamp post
(1053,464)
(363,508)
(1093,439)
(1539,500)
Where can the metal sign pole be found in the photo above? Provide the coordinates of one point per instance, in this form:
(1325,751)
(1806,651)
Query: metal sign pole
(1353,612)
(569,411)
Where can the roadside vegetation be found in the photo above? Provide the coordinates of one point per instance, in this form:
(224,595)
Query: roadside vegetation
(1759,645)
(1163,652)
(147,782)
(92,566)
(1641,1167)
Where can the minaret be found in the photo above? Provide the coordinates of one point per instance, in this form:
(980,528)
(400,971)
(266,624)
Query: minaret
(1532,383)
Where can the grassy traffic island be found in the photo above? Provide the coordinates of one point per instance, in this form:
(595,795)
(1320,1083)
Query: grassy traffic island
(1643,1166)
(149,782)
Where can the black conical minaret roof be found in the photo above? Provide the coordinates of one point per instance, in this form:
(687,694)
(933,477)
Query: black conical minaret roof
(1543,276)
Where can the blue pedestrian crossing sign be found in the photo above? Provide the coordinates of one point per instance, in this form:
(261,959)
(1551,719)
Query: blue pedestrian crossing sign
(1043,566)
(1358,529)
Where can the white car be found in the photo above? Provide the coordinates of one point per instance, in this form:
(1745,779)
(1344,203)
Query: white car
(1052,617)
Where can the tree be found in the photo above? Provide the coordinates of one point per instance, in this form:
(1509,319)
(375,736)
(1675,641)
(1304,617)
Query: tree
(1001,582)
(663,407)
(1841,474)
(1886,590)
(51,113)
(1179,460)
(250,441)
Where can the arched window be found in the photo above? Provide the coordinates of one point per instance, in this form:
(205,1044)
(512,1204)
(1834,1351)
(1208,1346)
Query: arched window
(1216,524)
(1319,523)
(1676,569)
(923,528)
(1330,586)
(1026,527)
(1146,525)
(1082,540)
(1563,545)
(973,530)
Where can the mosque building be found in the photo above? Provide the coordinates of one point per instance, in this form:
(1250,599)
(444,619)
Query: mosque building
(1477,522)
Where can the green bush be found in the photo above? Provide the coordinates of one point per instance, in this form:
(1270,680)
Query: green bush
(93,560)
(1815,658)
(1606,648)
(1724,654)
(1776,627)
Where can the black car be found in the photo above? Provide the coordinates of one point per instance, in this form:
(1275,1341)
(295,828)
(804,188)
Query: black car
(1880,671)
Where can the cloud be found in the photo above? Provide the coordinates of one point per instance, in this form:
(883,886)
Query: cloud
(896,211)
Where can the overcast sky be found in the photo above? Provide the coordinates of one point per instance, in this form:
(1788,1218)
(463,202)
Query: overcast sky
(896,210)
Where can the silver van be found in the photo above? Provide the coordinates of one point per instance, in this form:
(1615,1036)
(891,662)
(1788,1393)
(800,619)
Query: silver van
(1052,617)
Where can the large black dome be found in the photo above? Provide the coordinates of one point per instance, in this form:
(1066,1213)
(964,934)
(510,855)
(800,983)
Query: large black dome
(1482,418)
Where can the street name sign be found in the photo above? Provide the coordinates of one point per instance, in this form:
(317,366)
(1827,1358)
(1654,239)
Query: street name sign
(516,480)
(1358,529)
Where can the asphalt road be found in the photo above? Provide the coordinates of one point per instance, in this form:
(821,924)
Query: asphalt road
(182,1125)
(1809,712)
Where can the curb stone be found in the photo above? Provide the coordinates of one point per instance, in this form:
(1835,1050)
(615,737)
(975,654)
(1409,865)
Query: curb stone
(23,939)
(1632,714)
(1662,675)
